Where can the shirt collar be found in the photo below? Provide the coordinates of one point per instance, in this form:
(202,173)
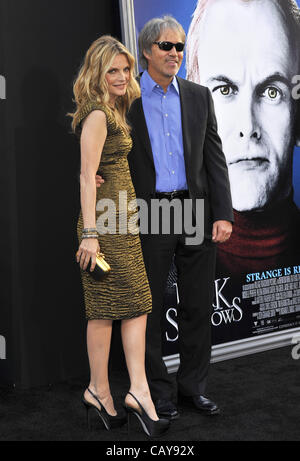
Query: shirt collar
(148,84)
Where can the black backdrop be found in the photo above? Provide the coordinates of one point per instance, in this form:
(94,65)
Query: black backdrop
(42,43)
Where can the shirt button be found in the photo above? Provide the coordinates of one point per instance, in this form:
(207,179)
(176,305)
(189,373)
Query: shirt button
(173,172)
(166,115)
(170,153)
(164,97)
(168,134)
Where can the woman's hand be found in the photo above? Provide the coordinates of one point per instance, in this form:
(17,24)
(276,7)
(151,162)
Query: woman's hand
(87,251)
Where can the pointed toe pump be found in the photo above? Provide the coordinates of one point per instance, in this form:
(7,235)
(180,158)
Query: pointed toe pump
(151,427)
(108,420)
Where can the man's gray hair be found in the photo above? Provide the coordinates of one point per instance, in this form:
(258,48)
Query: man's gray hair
(151,32)
(291,18)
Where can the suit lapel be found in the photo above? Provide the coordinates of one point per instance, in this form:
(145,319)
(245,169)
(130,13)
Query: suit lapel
(141,130)
(187,120)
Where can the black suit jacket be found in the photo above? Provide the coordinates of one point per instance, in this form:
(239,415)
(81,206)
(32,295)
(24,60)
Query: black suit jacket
(206,169)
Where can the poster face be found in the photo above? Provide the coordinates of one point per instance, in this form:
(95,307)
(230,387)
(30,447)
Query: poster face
(249,68)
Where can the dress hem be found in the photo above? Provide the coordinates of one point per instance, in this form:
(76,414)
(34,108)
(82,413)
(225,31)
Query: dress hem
(118,317)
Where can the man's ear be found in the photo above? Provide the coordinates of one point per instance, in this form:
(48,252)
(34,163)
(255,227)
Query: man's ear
(146,55)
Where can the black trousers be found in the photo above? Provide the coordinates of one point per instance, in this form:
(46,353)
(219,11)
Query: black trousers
(196,272)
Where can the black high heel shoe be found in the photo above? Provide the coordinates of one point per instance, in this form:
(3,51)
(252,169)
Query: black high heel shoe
(108,420)
(151,427)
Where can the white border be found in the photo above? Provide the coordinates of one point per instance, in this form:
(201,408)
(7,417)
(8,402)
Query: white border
(242,347)
(128,28)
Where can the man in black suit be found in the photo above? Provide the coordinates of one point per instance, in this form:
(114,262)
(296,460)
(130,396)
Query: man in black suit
(185,162)
(177,154)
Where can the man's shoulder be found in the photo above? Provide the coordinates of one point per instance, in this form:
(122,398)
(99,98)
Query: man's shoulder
(187,84)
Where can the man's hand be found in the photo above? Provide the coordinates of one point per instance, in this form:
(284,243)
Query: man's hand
(99,180)
(221,231)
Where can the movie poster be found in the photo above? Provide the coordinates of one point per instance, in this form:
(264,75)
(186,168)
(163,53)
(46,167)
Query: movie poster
(248,54)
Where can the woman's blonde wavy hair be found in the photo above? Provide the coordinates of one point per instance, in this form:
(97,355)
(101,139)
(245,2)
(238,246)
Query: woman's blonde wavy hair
(91,85)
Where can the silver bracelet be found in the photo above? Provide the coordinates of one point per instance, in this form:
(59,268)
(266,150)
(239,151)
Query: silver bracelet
(87,230)
(89,236)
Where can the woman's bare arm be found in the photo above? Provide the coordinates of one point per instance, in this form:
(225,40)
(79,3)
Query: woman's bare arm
(93,136)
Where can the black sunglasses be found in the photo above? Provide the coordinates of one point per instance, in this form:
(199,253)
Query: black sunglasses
(167,46)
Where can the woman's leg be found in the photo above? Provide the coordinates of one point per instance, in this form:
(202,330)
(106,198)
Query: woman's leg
(98,344)
(133,337)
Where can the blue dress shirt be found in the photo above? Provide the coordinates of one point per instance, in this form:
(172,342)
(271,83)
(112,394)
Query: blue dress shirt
(163,118)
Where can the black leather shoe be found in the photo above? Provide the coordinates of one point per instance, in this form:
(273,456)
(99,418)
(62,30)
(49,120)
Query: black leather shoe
(199,403)
(166,409)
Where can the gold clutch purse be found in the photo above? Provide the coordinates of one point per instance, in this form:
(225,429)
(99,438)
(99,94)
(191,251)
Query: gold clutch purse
(102,267)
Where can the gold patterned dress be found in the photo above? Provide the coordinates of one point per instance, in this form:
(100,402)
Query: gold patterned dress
(124,293)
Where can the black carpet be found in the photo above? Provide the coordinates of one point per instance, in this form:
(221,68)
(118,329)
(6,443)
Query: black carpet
(258,395)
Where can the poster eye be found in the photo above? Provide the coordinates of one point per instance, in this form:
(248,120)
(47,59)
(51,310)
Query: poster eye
(225,90)
(272,92)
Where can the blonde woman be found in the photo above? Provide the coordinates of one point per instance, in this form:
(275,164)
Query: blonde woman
(104,90)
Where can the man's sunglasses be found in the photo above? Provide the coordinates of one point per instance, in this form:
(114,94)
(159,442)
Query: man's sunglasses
(167,46)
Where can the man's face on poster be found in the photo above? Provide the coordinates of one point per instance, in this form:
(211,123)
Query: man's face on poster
(245,60)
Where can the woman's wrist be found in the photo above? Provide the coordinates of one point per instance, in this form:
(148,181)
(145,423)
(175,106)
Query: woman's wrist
(89,229)
(89,233)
